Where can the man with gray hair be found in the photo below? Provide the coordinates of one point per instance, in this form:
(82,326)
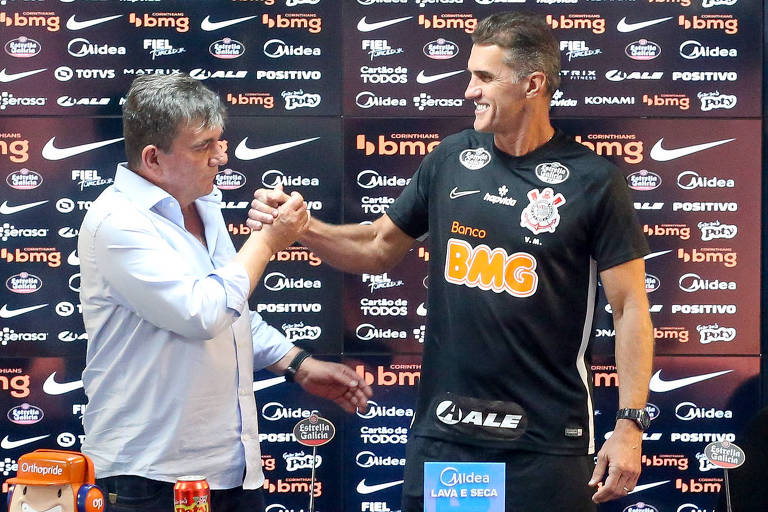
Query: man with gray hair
(521,219)
(172,345)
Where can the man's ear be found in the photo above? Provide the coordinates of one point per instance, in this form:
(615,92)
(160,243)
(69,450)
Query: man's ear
(150,165)
(537,85)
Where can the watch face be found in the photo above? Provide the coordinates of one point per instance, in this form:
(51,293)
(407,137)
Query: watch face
(644,420)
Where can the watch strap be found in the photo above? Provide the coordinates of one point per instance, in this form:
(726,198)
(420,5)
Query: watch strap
(293,366)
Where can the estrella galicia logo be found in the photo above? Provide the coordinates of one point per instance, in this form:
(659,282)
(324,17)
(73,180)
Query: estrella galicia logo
(552,172)
(25,414)
(481,419)
(475,159)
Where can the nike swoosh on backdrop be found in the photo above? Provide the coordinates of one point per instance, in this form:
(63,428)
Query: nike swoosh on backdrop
(424,79)
(364,26)
(660,154)
(640,488)
(7,210)
(51,387)
(456,194)
(5,77)
(51,152)
(243,152)
(659,385)
(73,24)
(362,488)
(7,444)
(623,26)
(654,254)
(10,313)
(209,25)
(267,383)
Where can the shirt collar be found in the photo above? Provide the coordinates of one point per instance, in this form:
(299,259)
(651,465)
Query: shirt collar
(148,195)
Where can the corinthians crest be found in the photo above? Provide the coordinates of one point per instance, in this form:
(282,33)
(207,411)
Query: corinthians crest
(541,214)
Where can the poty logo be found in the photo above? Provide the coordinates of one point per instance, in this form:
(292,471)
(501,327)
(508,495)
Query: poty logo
(160,20)
(81,47)
(725,22)
(309,22)
(714,3)
(692,49)
(298,99)
(24,179)
(715,100)
(301,460)
(22,47)
(715,230)
(463,22)
(591,22)
(715,333)
(23,283)
(49,21)
(367,99)
(276,48)
(9,100)
(275,411)
(275,177)
(301,332)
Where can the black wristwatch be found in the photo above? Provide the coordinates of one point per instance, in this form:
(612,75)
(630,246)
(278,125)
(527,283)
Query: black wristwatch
(639,416)
(293,367)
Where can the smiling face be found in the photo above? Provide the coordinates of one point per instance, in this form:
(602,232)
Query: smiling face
(42,498)
(499,97)
(188,168)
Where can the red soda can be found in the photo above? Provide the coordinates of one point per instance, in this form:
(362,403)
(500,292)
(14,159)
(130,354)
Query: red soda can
(191,494)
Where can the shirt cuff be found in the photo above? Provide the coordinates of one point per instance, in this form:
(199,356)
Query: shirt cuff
(236,283)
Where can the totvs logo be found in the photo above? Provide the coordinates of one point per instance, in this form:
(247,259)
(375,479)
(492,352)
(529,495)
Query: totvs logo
(490,269)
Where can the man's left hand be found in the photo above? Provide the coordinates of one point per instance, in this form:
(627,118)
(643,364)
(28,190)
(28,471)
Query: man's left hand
(620,456)
(335,382)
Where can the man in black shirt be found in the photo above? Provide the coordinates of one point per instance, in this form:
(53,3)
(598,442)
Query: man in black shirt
(521,221)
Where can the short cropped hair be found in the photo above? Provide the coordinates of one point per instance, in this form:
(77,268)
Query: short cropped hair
(528,42)
(156,106)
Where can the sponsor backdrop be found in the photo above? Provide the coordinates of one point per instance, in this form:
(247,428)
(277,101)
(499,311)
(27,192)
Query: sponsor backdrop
(341,101)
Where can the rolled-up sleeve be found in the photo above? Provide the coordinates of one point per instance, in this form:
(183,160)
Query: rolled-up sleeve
(269,344)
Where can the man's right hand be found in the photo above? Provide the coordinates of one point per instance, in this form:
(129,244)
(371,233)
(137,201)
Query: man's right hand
(286,225)
(265,206)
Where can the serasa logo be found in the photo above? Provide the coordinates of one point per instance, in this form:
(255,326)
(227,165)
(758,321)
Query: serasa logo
(277,281)
(275,411)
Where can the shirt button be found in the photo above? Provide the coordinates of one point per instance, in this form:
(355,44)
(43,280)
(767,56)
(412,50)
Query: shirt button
(244,391)
(244,437)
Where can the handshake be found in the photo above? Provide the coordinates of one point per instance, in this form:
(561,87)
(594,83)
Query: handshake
(277,218)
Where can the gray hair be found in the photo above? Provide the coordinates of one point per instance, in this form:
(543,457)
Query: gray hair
(528,42)
(156,106)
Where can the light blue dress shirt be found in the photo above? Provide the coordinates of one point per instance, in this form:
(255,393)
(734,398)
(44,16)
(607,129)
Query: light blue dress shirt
(172,345)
